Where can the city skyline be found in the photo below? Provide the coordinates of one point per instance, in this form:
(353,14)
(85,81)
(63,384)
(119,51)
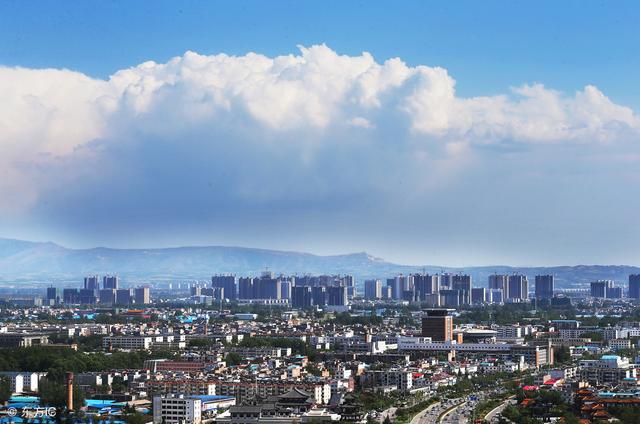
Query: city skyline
(455,145)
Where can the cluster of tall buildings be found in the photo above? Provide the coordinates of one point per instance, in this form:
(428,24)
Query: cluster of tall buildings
(452,290)
(606,289)
(301,292)
(110,294)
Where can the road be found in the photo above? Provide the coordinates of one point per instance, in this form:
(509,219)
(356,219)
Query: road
(422,416)
(458,410)
(390,412)
(492,416)
(452,411)
(432,412)
(455,415)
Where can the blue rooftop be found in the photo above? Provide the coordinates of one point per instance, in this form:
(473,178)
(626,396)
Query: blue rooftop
(610,357)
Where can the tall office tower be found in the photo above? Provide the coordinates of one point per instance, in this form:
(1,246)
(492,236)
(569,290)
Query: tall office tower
(285,289)
(247,288)
(437,324)
(228,283)
(478,295)
(372,289)
(634,286)
(425,285)
(319,295)
(499,282)
(301,297)
(92,283)
(518,287)
(451,298)
(496,296)
(337,296)
(599,288)
(544,286)
(108,296)
(269,287)
(462,283)
(142,295)
(195,290)
(110,282)
(123,297)
(54,295)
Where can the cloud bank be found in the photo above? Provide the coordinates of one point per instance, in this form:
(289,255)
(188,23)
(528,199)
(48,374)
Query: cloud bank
(223,144)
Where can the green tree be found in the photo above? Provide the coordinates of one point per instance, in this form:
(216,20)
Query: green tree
(136,418)
(562,355)
(233,358)
(54,393)
(5,389)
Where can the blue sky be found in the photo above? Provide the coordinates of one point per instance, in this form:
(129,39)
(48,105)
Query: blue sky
(487,45)
(522,117)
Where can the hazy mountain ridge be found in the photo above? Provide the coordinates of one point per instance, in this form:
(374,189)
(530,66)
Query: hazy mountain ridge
(45,262)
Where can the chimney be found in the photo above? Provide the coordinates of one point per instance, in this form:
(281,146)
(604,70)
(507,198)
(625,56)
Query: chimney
(69,391)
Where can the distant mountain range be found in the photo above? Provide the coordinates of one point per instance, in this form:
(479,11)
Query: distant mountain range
(24,262)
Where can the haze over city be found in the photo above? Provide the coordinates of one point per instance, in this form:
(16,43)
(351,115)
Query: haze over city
(412,133)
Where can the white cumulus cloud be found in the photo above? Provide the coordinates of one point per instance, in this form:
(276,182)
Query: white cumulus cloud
(315,125)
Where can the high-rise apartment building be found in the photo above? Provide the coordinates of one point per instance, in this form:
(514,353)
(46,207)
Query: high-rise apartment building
(499,282)
(496,296)
(108,296)
(269,287)
(400,285)
(425,284)
(518,287)
(142,295)
(462,283)
(286,286)
(600,288)
(248,288)
(446,280)
(634,286)
(451,298)
(319,295)
(350,283)
(92,283)
(478,295)
(228,282)
(544,286)
(337,296)
(614,293)
(301,297)
(373,289)
(124,297)
(71,296)
(54,295)
(110,282)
